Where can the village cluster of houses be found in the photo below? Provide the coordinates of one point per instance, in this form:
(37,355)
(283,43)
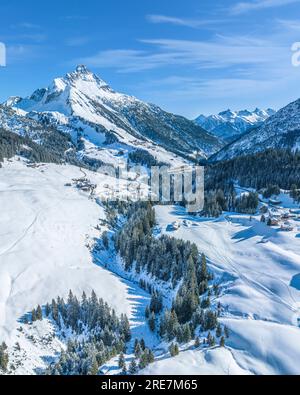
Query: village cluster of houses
(84,184)
(276,217)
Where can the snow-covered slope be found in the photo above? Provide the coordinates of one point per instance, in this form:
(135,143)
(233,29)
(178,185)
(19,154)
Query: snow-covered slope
(281,130)
(84,105)
(16,121)
(48,231)
(258,268)
(229,125)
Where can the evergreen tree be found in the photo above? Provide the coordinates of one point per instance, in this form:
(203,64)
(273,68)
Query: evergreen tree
(33,315)
(133,369)
(94,368)
(197,342)
(219,331)
(222,341)
(151,357)
(156,303)
(211,341)
(39,313)
(147,312)
(122,363)
(174,349)
(151,322)
(126,327)
(105,240)
(124,370)
(137,349)
(47,310)
(143,345)
(144,360)
(226,332)
(187,337)
(4,359)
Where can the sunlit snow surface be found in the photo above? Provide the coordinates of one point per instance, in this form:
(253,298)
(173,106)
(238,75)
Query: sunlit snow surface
(47,232)
(255,265)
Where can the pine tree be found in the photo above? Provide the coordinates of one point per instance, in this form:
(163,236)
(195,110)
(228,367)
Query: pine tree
(33,315)
(174,349)
(54,310)
(144,360)
(219,331)
(126,327)
(205,304)
(105,240)
(94,368)
(222,341)
(151,357)
(133,369)
(197,342)
(137,349)
(122,361)
(39,313)
(147,312)
(4,359)
(203,272)
(151,322)
(47,310)
(211,340)
(143,345)
(156,303)
(187,337)
(226,332)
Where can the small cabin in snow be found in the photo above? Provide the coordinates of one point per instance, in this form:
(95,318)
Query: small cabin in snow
(273,221)
(175,225)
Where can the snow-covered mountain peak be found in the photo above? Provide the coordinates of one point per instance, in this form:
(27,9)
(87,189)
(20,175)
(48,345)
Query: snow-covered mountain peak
(86,107)
(81,73)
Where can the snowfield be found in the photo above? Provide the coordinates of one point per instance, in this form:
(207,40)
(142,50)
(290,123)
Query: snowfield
(218,361)
(48,229)
(45,231)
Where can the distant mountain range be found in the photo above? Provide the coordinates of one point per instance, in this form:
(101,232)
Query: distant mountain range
(229,125)
(108,123)
(81,116)
(282,130)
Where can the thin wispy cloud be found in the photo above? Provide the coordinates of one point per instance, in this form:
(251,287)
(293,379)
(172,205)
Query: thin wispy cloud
(222,52)
(74,17)
(26,25)
(292,25)
(77,41)
(186,22)
(255,5)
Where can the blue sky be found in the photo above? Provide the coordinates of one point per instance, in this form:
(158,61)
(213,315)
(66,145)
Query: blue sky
(189,57)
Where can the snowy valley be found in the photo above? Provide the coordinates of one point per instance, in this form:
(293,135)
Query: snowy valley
(96,279)
(48,248)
